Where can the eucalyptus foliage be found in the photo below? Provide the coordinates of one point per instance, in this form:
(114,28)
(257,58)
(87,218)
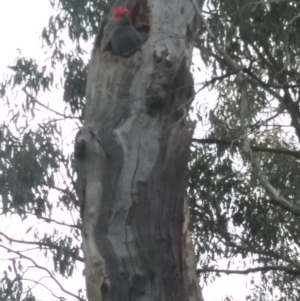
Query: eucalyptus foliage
(232,217)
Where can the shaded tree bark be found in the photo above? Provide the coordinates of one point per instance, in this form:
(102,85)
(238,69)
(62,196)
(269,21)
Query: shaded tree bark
(132,155)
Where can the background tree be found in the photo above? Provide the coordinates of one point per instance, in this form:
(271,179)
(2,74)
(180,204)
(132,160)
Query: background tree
(245,201)
(253,46)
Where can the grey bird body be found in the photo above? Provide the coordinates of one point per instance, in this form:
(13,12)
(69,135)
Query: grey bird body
(125,38)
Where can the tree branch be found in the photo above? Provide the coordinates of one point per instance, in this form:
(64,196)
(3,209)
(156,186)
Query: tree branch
(44,269)
(41,284)
(275,196)
(263,84)
(46,107)
(48,220)
(226,57)
(252,270)
(40,244)
(237,143)
(257,250)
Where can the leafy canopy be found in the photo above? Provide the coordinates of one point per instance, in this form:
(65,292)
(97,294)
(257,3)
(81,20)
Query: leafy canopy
(232,216)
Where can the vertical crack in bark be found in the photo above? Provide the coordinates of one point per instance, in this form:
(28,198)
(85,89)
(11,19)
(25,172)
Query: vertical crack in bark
(135,172)
(162,213)
(134,202)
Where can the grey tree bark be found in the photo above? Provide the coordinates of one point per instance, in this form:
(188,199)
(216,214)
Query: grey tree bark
(132,155)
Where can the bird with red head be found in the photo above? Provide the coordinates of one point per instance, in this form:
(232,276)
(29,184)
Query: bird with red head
(121,12)
(125,39)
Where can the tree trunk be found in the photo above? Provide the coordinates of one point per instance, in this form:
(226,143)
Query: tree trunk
(134,150)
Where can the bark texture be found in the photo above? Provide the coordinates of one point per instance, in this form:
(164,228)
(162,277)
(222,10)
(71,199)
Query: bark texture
(132,154)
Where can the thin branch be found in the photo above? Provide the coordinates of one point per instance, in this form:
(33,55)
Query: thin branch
(263,84)
(46,107)
(229,143)
(219,78)
(249,79)
(65,191)
(260,123)
(40,244)
(31,249)
(286,100)
(280,111)
(260,83)
(257,250)
(275,197)
(44,269)
(41,284)
(252,270)
(226,57)
(48,220)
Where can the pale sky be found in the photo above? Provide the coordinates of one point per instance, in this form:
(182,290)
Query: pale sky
(21,23)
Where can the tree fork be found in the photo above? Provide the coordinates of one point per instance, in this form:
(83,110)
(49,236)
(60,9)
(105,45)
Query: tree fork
(136,239)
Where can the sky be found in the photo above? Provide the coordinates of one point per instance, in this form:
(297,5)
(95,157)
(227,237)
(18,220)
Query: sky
(21,23)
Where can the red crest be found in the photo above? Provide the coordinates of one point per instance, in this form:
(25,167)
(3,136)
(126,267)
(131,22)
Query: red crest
(120,13)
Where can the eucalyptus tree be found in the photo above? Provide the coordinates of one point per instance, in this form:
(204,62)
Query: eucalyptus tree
(131,155)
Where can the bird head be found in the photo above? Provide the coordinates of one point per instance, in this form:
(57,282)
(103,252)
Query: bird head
(120,13)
